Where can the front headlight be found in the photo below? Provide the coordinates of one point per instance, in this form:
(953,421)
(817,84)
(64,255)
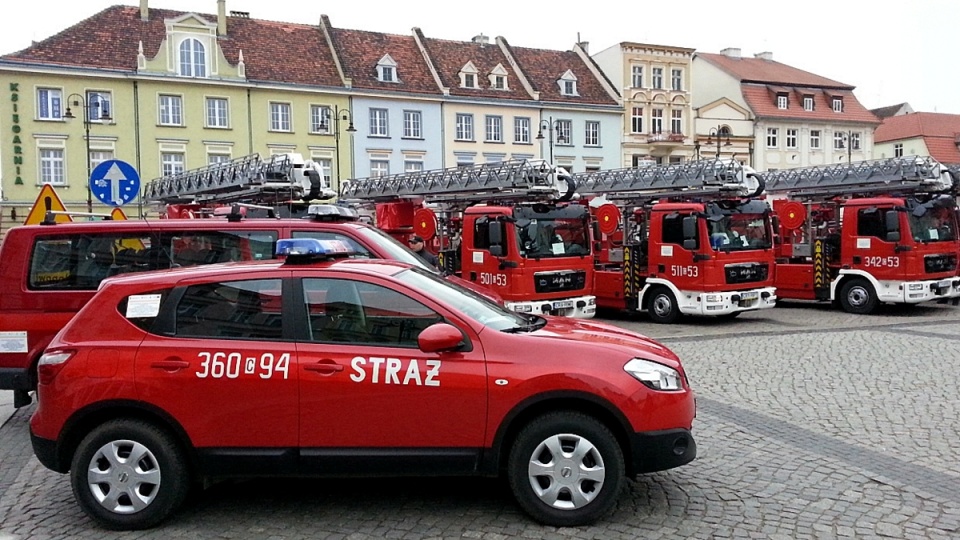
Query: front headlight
(713,298)
(653,375)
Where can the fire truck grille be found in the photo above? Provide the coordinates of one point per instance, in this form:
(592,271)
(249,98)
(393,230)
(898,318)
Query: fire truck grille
(570,280)
(746,273)
(939,263)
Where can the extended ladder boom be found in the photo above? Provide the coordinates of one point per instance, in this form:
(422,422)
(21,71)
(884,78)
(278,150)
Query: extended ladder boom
(248,179)
(894,175)
(711,177)
(517,179)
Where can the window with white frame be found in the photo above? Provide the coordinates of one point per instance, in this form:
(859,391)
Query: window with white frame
(494,128)
(636,76)
(193,58)
(636,120)
(464,127)
(98,106)
(49,104)
(838,140)
(773,135)
(320,116)
(676,121)
(591,133)
(782,101)
(379,167)
(217,115)
(171,110)
(568,84)
(898,150)
(564,132)
(99,156)
(808,103)
(814,139)
(413,124)
(412,166)
(171,163)
(855,140)
(51,167)
(657,78)
(378,123)
(469,80)
(326,168)
(214,159)
(521,130)
(499,82)
(791,136)
(280,117)
(386,74)
(676,79)
(837,104)
(656,121)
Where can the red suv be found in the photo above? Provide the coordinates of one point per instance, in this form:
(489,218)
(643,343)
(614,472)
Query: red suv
(50,271)
(317,366)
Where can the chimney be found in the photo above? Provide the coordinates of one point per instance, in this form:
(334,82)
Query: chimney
(481,40)
(766,55)
(144,11)
(221,17)
(732,52)
(585,45)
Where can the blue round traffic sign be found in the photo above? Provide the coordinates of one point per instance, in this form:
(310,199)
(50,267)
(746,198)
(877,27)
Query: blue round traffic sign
(115,182)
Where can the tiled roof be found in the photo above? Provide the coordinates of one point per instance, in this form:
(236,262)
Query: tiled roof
(272,51)
(769,71)
(544,68)
(449,57)
(940,132)
(889,110)
(360,52)
(762,100)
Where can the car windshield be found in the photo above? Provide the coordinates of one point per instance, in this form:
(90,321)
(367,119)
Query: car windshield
(394,249)
(739,231)
(552,237)
(936,224)
(465,301)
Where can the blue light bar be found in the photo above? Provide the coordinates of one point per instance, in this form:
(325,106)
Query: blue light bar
(298,247)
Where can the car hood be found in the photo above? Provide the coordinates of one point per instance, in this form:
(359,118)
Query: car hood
(597,335)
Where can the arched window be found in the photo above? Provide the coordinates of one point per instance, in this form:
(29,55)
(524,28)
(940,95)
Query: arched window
(193,58)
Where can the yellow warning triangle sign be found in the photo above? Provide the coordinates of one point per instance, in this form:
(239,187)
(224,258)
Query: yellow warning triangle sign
(117,214)
(47,201)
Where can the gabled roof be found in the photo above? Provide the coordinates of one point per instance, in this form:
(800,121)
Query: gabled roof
(449,57)
(891,110)
(272,51)
(544,68)
(940,133)
(360,51)
(762,100)
(759,70)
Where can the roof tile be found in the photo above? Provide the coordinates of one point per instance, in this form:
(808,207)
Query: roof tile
(940,132)
(360,52)
(544,68)
(449,57)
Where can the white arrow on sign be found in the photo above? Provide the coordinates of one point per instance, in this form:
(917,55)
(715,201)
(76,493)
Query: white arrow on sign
(115,175)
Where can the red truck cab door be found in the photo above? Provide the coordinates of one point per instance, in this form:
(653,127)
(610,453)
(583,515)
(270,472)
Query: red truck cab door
(676,242)
(873,240)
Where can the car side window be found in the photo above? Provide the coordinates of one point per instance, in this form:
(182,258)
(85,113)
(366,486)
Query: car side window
(356,312)
(249,309)
(189,248)
(82,261)
(360,252)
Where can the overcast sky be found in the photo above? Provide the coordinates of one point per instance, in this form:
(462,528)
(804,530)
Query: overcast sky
(893,52)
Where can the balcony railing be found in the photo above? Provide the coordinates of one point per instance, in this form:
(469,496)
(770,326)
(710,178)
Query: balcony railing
(665,137)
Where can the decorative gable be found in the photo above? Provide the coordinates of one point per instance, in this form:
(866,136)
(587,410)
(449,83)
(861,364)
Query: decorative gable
(498,78)
(191,46)
(468,76)
(387,70)
(568,84)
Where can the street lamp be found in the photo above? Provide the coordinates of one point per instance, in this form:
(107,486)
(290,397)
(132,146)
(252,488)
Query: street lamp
(721,133)
(337,116)
(847,141)
(550,126)
(97,107)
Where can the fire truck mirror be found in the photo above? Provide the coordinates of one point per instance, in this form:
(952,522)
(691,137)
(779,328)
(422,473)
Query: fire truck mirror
(891,222)
(495,233)
(496,250)
(689,229)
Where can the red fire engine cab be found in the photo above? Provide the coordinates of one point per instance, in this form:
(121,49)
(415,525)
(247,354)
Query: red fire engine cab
(507,226)
(863,233)
(692,239)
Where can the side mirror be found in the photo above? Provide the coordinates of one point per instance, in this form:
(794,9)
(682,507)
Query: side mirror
(496,250)
(891,222)
(440,337)
(893,236)
(690,244)
(689,228)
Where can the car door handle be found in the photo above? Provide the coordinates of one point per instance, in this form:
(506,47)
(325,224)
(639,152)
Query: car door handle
(326,368)
(170,365)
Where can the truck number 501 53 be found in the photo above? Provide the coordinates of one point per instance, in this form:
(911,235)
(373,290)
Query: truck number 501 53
(486,278)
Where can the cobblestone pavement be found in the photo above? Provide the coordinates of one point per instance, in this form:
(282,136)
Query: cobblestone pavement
(811,424)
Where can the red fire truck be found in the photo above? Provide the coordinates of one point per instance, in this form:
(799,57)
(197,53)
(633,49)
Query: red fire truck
(868,232)
(692,239)
(508,226)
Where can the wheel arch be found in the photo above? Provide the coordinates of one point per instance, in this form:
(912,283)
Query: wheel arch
(494,462)
(847,275)
(653,283)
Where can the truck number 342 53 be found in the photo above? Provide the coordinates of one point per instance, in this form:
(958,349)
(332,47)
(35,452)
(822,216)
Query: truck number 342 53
(881,262)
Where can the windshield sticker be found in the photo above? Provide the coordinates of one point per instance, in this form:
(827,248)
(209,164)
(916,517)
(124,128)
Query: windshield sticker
(477,257)
(666,251)
(863,243)
(143,305)
(13,342)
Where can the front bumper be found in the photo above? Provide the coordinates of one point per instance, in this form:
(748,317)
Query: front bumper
(914,292)
(724,303)
(579,307)
(661,450)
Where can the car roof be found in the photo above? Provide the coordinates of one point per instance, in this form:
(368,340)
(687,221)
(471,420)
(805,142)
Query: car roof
(183,223)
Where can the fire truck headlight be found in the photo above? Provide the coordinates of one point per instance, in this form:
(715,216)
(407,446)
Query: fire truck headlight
(522,308)
(915,287)
(653,375)
(713,298)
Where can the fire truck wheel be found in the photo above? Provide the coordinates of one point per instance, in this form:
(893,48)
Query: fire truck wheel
(128,474)
(857,296)
(566,469)
(662,306)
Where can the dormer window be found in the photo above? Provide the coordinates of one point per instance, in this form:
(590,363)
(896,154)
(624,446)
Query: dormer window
(808,103)
(193,58)
(782,101)
(468,76)
(568,84)
(498,78)
(837,104)
(387,70)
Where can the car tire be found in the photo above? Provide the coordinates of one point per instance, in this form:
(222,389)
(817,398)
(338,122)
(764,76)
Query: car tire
(566,469)
(662,306)
(857,296)
(121,494)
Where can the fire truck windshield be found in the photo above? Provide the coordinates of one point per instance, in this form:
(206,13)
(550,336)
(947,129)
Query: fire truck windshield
(936,223)
(545,237)
(739,231)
